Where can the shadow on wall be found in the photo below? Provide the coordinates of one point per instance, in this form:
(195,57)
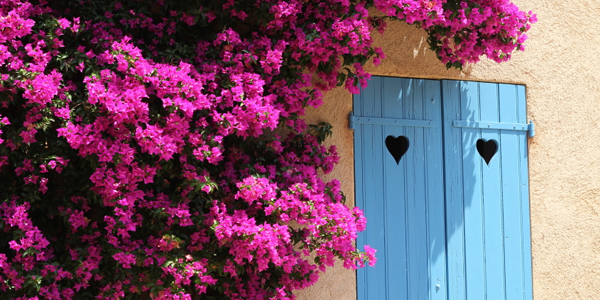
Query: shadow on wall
(407,54)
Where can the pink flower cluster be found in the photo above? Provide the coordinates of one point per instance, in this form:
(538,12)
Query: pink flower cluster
(494,28)
(173,168)
(30,246)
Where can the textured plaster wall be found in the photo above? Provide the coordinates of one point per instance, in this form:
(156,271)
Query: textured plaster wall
(561,69)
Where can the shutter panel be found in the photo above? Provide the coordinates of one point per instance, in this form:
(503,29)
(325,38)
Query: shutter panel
(488,204)
(403,202)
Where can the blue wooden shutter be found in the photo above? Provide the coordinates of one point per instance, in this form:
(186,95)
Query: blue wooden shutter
(488,230)
(446,223)
(403,201)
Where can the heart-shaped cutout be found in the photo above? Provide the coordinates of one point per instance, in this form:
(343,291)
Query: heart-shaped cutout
(397,146)
(487,149)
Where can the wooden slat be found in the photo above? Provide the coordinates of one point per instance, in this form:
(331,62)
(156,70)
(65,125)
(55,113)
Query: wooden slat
(361,284)
(473,200)
(363,105)
(415,175)
(513,221)
(455,225)
(524,185)
(434,193)
(492,196)
(395,197)
(486,124)
(376,277)
(390,121)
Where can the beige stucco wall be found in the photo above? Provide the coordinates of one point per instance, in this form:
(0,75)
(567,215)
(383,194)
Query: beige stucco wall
(561,69)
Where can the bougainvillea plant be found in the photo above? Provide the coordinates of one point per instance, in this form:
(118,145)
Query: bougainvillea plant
(156,149)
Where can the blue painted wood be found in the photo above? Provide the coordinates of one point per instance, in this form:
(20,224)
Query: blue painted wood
(492,125)
(474,254)
(411,257)
(524,196)
(434,193)
(389,122)
(395,214)
(513,217)
(417,221)
(358,102)
(361,278)
(494,268)
(492,196)
(454,192)
(363,104)
(446,224)
(412,243)
(376,277)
